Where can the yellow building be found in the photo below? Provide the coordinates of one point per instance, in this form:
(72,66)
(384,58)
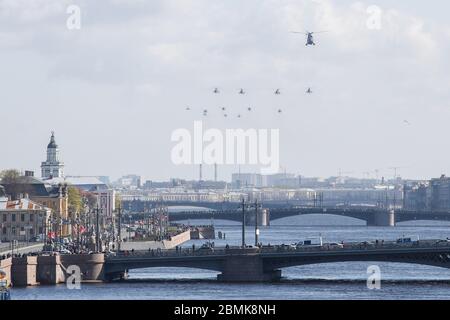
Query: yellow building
(52,197)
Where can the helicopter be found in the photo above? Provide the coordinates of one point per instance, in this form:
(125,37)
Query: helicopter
(280,111)
(205,112)
(249,109)
(188,108)
(309,91)
(242,91)
(277,91)
(309,37)
(216,90)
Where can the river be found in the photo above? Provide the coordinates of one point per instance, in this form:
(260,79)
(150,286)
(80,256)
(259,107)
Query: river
(323,281)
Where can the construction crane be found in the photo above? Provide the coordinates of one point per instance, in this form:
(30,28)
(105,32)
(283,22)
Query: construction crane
(396,170)
(340,173)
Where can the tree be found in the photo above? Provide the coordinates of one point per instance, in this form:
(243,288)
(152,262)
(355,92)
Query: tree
(11,180)
(74,199)
(117,201)
(9,176)
(91,200)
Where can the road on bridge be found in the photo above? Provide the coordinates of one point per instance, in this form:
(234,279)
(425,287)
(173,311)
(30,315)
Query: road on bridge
(263,263)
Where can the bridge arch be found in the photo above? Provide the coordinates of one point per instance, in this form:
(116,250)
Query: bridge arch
(437,260)
(133,264)
(308,218)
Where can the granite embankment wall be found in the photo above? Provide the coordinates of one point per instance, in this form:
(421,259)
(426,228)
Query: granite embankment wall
(34,270)
(165,244)
(5,265)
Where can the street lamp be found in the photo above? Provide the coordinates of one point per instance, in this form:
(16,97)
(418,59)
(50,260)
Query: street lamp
(129,228)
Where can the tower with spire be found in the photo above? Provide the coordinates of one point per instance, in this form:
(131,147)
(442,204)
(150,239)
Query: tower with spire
(52,167)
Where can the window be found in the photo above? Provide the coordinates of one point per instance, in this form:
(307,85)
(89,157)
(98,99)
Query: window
(4,230)
(5,217)
(22,217)
(13,217)
(31,217)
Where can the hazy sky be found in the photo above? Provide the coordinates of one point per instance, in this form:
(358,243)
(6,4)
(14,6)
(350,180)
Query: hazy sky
(115,90)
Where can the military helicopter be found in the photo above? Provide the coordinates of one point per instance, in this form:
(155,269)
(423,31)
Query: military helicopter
(277,91)
(309,37)
(216,90)
(242,91)
(309,91)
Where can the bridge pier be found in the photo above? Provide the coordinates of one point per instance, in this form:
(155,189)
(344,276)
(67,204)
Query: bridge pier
(247,268)
(263,218)
(382,219)
(117,276)
(23,271)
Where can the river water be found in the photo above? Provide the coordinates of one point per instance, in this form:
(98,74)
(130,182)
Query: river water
(322,281)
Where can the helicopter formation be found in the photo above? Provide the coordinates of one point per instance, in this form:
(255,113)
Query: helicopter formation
(243,92)
(309,41)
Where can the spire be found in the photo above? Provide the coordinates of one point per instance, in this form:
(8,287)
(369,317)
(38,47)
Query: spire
(52,143)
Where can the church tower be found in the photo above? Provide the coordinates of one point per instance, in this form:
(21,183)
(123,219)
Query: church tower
(53,167)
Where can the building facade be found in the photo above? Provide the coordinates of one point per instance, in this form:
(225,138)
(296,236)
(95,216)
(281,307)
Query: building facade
(22,220)
(52,197)
(52,167)
(440,194)
(106,200)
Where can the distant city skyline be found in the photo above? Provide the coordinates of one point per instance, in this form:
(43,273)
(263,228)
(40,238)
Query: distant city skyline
(114,90)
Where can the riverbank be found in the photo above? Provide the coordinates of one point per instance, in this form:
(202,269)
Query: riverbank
(173,242)
(30,248)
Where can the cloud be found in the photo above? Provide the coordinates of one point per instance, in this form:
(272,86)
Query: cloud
(139,63)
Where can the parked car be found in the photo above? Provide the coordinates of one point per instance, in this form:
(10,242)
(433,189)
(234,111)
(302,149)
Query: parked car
(334,245)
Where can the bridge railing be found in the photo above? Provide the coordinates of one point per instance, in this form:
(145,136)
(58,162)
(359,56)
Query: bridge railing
(171,253)
(363,246)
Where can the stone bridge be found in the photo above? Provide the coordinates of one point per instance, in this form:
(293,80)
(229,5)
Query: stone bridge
(142,205)
(265,264)
(372,216)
